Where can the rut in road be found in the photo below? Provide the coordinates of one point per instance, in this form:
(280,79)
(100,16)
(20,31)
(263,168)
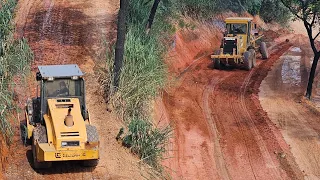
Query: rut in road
(241,139)
(211,121)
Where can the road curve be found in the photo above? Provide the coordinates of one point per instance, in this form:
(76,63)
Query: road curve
(218,109)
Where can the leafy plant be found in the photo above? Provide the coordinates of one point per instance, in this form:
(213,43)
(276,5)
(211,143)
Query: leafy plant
(147,142)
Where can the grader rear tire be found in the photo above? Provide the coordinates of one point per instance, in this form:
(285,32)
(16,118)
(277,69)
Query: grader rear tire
(92,136)
(264,50)
(40,135)
(247,60)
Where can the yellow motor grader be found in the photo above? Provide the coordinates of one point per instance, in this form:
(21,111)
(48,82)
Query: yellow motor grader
(58,123)
(239,44)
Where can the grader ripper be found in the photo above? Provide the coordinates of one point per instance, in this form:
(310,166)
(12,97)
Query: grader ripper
(239,44)
(58,122)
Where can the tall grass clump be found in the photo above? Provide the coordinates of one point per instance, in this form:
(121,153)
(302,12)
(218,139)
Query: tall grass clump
(15,57)
(148,142)
(143,76)
(144,72)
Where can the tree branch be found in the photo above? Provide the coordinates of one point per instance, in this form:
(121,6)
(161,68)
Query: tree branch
(316,36)
(292,10)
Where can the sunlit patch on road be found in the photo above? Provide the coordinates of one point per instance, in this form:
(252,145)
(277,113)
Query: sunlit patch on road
(290,71)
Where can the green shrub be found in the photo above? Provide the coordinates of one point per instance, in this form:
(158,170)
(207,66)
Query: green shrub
(147,142)
(274,10)
(196,8)
(269,10)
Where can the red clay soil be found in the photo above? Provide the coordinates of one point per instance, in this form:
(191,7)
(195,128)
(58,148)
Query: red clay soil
(65,32)
(221,131)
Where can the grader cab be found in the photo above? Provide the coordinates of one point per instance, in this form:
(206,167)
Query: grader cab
(58,122)
(239,45)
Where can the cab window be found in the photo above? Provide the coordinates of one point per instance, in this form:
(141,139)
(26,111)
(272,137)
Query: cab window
(62,88)
(237,28)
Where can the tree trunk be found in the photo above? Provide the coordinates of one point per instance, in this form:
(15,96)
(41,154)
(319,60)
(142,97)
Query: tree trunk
(312,74)
(121,37)
(152,15)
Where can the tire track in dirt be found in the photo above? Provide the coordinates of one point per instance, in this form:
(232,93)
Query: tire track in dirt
(45,27)
(211,121)
(262,146)
(241,146)
(241,128)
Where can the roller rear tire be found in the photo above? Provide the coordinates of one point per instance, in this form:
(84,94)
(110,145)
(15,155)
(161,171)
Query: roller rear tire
(40,135)
(92,136)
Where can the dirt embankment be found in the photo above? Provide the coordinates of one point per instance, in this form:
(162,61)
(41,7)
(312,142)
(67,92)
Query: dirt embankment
(221,131)
(65,32)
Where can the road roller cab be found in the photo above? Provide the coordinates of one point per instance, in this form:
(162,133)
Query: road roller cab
(58,122)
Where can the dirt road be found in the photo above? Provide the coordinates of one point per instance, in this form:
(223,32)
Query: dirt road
(62,32)
(280,95)
(221,131)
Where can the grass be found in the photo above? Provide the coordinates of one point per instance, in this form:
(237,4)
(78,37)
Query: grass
(143,76)
(148,141)
(15,56)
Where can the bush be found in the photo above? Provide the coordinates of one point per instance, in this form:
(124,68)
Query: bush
(269,10)
(197,8)
(274,10)
(148,142)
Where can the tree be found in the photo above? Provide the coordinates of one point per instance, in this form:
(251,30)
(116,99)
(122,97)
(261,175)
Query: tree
(152,14)
(121,37)
(309,12)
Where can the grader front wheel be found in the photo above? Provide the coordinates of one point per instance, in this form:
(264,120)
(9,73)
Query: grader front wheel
(217,63)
